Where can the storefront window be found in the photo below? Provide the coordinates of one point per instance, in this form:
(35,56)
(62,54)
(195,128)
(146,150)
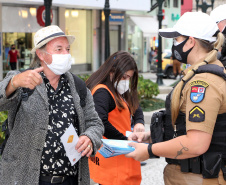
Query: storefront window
(79,24)
(23,43)
(19,25)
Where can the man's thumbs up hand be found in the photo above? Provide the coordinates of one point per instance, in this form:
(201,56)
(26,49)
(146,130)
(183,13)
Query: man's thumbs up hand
(28,79)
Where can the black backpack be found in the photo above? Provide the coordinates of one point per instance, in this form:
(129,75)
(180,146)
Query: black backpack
(80,88)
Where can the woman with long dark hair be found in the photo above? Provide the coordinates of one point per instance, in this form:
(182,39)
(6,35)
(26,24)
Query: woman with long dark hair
(114,89)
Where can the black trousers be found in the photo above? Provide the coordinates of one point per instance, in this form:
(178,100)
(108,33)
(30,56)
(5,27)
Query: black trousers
(13,65)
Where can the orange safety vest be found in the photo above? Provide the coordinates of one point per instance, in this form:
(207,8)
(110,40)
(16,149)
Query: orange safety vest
(118,170)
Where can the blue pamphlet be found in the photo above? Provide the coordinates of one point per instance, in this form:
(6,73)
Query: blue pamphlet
(112,147)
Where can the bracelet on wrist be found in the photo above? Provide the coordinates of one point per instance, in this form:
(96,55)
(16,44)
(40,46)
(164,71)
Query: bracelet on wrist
(151,155)
(12,83)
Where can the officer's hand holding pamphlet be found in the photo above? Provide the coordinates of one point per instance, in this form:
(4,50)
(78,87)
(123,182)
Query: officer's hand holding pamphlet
(112,147)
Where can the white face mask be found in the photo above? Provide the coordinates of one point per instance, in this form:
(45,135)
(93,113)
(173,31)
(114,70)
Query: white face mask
(123,86)
(175,43)
(61,63)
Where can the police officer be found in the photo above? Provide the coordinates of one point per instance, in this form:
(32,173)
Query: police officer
(219,16)
(194,128)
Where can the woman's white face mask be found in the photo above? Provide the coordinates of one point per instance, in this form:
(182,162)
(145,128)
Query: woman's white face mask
(122,87)
(61,63)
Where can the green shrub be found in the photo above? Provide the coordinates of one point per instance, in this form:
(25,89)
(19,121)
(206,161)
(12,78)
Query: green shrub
(3,117)
(152,104)
(146,88)
(84,77)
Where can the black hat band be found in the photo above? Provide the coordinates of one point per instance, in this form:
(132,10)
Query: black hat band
(53,35)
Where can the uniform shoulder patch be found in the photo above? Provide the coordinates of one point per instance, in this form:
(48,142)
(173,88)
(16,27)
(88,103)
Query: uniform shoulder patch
(198,89)
(196,114)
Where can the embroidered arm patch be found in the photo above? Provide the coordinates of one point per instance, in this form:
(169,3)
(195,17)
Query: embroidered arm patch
(196,114)
(198,88)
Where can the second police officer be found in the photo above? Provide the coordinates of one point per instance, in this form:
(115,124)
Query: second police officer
(219,16)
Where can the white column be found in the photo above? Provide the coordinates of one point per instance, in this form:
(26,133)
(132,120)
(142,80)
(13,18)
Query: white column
(61,18)
(146,41)
(95,48)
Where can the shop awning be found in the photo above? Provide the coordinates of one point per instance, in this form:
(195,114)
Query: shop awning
(148,25)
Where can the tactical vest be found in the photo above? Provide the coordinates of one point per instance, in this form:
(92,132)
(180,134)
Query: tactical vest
(210,163)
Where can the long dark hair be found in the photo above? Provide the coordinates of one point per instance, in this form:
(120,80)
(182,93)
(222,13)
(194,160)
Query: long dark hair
(117,65)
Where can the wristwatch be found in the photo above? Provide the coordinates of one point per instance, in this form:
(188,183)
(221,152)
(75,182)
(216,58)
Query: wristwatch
(151,155)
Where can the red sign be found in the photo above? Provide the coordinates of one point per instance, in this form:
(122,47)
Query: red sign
(41,16)
(163,12)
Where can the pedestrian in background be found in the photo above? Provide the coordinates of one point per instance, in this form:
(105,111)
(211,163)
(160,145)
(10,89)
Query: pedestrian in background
(176,66)
(219,16)
(34,153)
(114,89)
(151,55)
(195,110)
(12,57)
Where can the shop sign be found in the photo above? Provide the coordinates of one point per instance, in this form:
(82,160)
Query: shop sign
(163,13)
(175,17)
(156,43)
(41,16)
(116,17)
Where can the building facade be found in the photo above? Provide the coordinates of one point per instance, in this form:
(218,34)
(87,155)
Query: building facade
(20,19)
(186,6)
(209,2)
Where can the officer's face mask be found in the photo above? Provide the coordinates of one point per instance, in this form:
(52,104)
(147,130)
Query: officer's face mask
(177,50)
(122,87)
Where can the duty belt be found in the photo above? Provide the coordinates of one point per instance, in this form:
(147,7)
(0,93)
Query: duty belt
(192,165)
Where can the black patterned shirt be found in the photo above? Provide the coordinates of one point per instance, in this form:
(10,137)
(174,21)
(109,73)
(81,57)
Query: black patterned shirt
(62,113)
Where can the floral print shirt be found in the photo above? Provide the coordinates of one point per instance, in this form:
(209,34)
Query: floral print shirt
(62,114)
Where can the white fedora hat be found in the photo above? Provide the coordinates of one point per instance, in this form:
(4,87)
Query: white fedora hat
(46,34)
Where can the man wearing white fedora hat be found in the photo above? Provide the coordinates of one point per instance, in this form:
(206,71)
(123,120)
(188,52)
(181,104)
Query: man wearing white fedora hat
(219,16)
(42,103)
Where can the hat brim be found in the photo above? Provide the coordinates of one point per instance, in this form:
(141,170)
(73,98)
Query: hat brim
(70,39)
(169,33)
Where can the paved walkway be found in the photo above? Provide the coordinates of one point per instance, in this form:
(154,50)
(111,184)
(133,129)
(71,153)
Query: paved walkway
(152,172)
